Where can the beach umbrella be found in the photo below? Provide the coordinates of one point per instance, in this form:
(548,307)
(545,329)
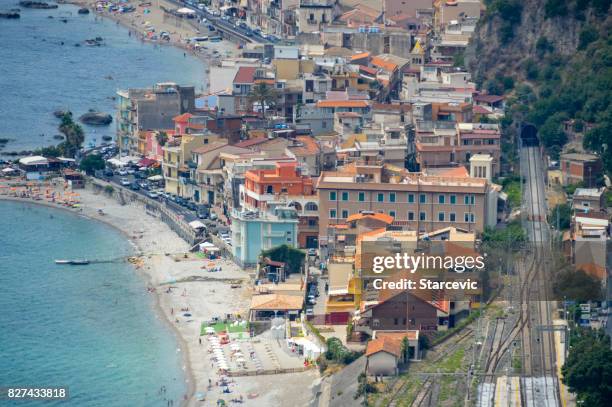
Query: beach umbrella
(199,396)
(241,360)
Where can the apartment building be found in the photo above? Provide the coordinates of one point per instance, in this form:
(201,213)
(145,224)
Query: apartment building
(444,143)
(284,185)
(416,201)
(150,109)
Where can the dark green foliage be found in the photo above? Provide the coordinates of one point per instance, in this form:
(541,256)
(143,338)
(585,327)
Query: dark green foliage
(562,214)
(493,87)
(588,368)
(588,35)
(509,12)
(292,257)
(556,8)
(576,285)
(512,233)
(91,163)
(339,353)
(551,132)
(73,134)
(531,69)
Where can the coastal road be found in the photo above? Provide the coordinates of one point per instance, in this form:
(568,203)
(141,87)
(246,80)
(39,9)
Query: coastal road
(224,26)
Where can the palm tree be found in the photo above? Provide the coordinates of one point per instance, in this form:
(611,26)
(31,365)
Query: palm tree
(73,136)
(265,95)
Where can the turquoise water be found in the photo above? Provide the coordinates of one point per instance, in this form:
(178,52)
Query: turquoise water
(92,328)
(39,75)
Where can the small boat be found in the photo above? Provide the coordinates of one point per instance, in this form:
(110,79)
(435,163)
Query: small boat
(72,262)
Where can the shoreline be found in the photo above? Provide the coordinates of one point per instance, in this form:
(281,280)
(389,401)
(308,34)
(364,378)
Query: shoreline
(147,279)
(186,295)
(125,21)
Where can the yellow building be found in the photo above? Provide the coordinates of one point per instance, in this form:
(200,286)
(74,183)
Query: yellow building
(177,158)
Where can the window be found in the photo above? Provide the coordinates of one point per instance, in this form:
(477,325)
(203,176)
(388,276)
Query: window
(472,218)
(332,213)
(410,215)
(441,199)
(381,197)
(410,198)
(422,198)
(269,189)
(451,217)
(453,199)
(395,321)
(344,214)
(469,199)
(422,216)
(472,200)
(392,213)
(391,196)
(312,222)
(311,206)
(345,196)
(362,197)
(440,216)
(466,217)
(332,195)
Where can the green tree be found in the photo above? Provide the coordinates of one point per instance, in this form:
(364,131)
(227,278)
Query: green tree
(92,163)
(588,35)
(561,213)
(73,136)
(588,368)
(555,8)
(576,285)
(265,96)
(512,233)
(292,257)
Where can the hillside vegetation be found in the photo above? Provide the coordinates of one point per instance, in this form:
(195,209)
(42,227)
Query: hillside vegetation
(553,58)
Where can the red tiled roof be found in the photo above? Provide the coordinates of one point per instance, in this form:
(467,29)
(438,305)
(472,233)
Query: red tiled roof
(386,65)
(245,74)
(480,110)
(309,146)
(182,118)
(251,142)
(488,98)
(368,70)
(361,55)
(388,345)
(383,217)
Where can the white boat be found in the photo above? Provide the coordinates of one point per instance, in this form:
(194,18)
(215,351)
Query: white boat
(62,261)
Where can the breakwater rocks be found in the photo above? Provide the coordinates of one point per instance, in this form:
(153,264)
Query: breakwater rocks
(37,4)
(83,10)
(9,15)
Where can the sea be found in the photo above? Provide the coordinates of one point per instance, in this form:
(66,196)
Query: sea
(91,328)
(41,70)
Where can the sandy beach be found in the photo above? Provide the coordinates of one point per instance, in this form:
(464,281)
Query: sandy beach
(179,29)
(181,286)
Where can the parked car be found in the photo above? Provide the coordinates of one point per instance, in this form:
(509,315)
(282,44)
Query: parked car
(108,173)
(309,312)
(125,182)
(312,252)
(152,194)
(131,171)
(122,171)
(134,186)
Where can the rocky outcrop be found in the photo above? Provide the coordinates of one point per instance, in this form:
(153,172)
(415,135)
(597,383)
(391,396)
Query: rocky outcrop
(512,31)
(83,10)
(37,5)
(9,15)
(96,119)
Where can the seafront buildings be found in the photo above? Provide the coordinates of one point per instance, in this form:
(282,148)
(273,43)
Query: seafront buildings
(347,129)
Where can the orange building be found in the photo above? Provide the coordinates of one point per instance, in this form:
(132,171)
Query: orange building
(284,185)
